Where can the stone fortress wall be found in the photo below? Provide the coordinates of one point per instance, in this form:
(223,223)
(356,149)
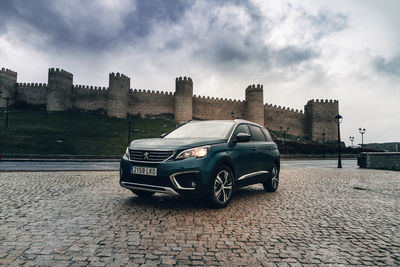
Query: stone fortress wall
(60,94)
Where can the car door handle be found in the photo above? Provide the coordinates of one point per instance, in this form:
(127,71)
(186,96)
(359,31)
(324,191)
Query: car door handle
(254,148)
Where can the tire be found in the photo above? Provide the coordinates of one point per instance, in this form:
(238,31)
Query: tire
(272,182)
(221,187)
(140,193)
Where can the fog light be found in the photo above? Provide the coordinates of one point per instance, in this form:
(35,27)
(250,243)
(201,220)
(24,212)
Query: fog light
(193,184)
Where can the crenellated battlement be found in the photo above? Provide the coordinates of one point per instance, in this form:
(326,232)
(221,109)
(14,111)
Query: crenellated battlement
(218,99)
(61,71)
(32,85)
(89,87)
(184,79)
(152,92)
(119,76)
(9,72)
(279,108)
(254,87)
(322,101)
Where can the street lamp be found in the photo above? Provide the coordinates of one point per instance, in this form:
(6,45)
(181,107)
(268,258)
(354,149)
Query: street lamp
(339,120)
(7,102)
(362,132)
(129,127)
(131,124)
(351,139)
(323,144)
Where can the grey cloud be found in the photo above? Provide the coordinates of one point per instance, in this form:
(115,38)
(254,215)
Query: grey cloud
(388,66)
(43,17)
(292,55)
(328,22)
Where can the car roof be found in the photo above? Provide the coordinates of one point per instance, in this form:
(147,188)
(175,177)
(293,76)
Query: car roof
(236,121)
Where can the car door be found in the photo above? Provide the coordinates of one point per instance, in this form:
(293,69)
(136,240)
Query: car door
(272,149)
(243,155)
(262,154)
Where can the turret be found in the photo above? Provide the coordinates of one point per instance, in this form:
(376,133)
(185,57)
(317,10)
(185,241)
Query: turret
(320,117)
(8,82)
(183,99)
(118,93)
(59,89)
(254,104)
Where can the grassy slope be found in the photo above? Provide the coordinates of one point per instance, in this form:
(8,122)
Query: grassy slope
(37,132)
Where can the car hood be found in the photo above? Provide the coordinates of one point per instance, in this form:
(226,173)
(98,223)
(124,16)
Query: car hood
(172,143)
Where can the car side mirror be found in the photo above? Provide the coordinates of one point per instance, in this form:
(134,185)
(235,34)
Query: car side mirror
(163,135)
(243,137)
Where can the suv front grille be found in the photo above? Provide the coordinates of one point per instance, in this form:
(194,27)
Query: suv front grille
(149,155)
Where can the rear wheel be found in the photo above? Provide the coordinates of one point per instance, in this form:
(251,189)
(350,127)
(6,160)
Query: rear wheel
(221,187)
(142,193)
(272,182)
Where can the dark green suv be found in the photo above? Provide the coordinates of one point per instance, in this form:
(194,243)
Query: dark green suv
(206,159)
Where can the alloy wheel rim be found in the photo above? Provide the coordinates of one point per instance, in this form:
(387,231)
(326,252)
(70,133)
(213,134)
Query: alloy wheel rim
(275,177)
(223,186)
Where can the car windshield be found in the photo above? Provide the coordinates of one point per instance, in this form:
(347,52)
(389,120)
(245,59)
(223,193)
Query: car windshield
(203,129)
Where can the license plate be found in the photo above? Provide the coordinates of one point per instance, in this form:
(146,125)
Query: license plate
(144,170)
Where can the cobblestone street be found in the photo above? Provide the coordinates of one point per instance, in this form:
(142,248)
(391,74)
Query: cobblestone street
(317,216)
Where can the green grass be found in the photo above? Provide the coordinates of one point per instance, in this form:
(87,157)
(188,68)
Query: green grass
(73,132)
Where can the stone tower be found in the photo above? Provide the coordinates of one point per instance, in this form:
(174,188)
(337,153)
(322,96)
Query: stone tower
(59,90)
(183,99)
(8,82)
(320,117)
(118,94)
(254,104)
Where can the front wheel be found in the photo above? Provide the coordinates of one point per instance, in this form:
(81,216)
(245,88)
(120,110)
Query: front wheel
(221,187)
(272,182)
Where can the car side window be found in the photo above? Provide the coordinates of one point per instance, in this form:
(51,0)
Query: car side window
(256,133)
(267,135)
(241,128)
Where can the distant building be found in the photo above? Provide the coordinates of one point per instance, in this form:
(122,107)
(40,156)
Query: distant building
(389,147)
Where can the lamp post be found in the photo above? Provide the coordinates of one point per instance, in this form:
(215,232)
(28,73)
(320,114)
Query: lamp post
(323,144)
(362,132)
(129,127)
(339,120)
(7,102)
(284,133)
(351,139)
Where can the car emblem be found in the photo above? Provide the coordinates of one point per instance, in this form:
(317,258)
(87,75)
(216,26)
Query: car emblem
(146,155)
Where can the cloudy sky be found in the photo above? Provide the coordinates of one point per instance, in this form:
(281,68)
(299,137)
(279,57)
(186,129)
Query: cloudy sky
(299,50)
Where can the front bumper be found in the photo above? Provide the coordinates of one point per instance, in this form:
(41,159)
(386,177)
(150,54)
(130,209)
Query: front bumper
(188,177)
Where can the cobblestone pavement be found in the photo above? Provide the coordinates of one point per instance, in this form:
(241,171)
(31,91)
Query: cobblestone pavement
(316,217)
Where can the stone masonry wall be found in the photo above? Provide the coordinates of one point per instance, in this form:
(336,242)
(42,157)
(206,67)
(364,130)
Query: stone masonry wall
(118,99)
(320,117)
(206,108)
(32,93)
(150,102)
(89,98)
(276,117)
(8,80)
(380,160)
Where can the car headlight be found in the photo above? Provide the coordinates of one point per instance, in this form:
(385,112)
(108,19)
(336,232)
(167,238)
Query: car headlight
(127,151)
(198,152)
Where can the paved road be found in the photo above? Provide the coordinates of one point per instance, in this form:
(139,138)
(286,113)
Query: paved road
(316,217)
(79,166)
